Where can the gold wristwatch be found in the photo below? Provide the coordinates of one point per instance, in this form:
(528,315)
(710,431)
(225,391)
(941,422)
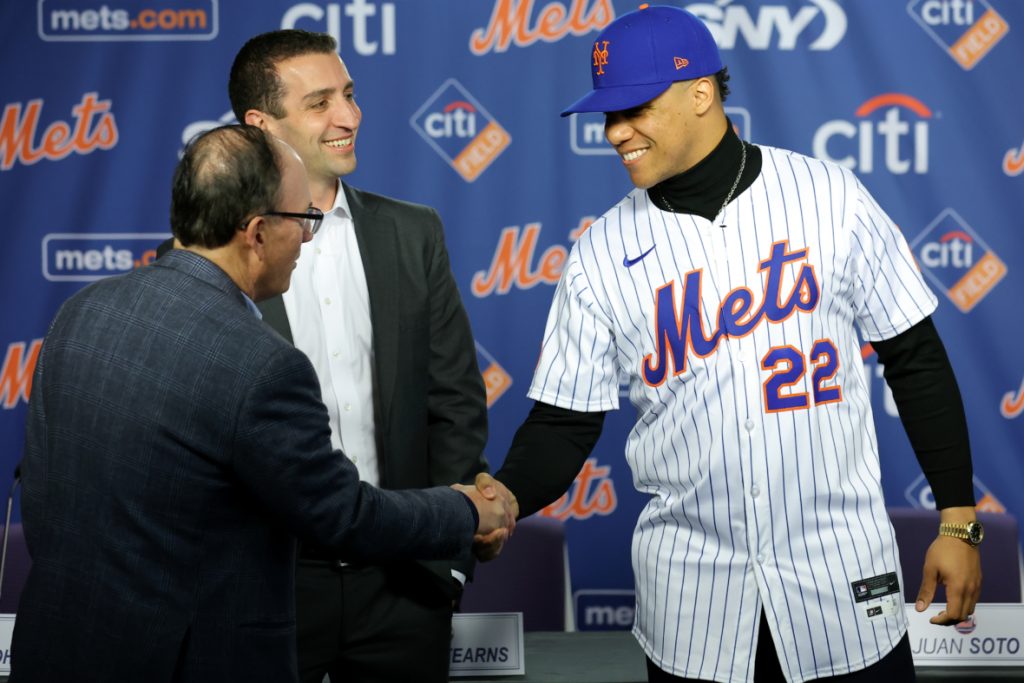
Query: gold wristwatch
(971,532)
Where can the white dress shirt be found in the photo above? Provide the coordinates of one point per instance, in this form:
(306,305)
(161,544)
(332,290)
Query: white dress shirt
(328,308)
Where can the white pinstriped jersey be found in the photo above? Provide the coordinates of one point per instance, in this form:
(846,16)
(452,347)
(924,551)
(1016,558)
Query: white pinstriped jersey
(754,434)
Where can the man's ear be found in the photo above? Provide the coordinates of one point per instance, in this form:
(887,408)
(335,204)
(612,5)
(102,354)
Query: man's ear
(254,117)
(254,235)
(703,93)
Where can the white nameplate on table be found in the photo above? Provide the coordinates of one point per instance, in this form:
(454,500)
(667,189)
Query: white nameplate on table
(6,632)
(993,636)
(487,644)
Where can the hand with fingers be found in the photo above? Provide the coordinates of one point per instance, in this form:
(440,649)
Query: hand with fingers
(488,546)
(956,565)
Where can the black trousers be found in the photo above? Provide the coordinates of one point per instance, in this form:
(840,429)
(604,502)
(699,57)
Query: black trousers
(371,624)
(897,666)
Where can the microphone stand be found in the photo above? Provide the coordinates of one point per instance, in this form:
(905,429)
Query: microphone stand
(7,524)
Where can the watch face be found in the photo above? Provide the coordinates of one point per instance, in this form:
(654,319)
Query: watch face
(975,532)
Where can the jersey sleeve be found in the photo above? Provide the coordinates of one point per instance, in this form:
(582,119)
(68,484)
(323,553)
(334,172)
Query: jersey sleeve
(577,368)
(890,294)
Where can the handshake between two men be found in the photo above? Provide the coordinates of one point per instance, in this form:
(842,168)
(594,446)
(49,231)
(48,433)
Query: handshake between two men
(498,509)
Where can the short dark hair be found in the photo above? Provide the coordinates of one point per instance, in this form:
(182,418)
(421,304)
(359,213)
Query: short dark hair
(721,79)
(254,83)
(226,176)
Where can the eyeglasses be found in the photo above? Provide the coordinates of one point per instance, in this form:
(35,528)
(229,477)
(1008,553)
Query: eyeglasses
(310,221)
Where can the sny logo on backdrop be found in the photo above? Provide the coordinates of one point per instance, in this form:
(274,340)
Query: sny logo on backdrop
(511,22)
(136,20)
(512,263)
(460,130)
(900,136)
(919,495)
(586,131)
(592,493)
(496,378)
(728,21)
(18,132)
(957,260)
(361,12)
(965,29)
(16,373)
(83,257)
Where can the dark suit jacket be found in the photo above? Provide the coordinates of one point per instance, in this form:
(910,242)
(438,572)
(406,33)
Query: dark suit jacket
(430,407)
(176,447)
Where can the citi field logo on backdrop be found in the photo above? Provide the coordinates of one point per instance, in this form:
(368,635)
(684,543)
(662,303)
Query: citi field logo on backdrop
(83,257)
(965,29)
(93,128)
(460,130)
(586,131)
(898,121)
(957,261)
(919,495)
(514,21)
(372,24)
(496,378)
(818,24)
(134,20)
(16,372)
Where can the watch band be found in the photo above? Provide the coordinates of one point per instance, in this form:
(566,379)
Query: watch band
(971,532)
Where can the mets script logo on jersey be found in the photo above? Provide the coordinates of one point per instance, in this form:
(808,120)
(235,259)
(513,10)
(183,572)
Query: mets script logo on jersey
(84,257)
(957,260)
(919,495)
(965,29)
(496,379)
(592,493)
(586,131)
(93,128)
(886,127)
(1012,404)
(460,130)
(514,21)
(816,24)
(679,329)
(16,372)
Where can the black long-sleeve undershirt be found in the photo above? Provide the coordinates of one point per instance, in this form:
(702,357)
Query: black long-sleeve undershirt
(551,446)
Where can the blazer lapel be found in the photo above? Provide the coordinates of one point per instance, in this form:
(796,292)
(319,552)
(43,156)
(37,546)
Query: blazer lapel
(377,239)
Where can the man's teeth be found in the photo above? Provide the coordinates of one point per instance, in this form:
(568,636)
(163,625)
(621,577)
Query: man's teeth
(635,154)
(339,143)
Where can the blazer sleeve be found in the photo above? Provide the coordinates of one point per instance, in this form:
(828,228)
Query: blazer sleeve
(283,455)
(457,401)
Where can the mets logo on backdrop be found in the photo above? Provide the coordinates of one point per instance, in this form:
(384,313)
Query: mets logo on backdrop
(966,30)
(957,260)
(1012,404)
(496,378)
(460,130)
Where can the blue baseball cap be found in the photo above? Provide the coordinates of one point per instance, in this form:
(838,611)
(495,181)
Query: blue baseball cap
(640,54)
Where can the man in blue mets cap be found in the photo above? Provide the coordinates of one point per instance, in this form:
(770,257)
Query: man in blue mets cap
(730,286)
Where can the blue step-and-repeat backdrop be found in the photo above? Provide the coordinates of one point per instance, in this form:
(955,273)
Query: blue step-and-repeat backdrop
(923,99)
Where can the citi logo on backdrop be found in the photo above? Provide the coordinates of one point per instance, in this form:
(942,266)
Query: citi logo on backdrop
(965,29)
(460,130)
(898,121)
(957,260)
